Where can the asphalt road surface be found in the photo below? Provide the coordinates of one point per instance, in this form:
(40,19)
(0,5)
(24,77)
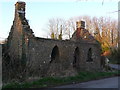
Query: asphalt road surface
(102,83)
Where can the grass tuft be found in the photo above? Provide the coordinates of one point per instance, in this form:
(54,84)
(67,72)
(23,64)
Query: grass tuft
(55,81)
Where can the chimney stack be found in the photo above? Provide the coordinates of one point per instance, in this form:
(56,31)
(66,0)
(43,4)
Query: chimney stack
(80,24)
(20,8)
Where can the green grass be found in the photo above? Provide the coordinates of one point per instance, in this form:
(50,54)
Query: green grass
(56,81)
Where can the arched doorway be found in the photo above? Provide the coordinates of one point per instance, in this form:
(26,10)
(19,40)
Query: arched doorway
(55,54)
(76,58)
(53,68)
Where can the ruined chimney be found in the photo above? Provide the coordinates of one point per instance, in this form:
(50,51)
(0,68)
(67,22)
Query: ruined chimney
(80,24)
(20,8)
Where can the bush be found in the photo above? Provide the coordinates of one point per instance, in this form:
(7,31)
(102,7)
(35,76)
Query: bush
(115,56)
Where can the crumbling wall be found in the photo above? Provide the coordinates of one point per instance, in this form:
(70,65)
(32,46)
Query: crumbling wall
(15,55)
(30,56)
(40,51)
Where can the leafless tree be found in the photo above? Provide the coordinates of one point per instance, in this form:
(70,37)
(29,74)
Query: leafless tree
(103,29)
(56,26)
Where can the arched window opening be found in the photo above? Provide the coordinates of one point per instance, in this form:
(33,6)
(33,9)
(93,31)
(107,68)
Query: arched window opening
(76,58)
(55,54)
(89,55)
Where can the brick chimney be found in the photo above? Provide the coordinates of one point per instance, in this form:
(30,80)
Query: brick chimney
(79,26)
(20,8)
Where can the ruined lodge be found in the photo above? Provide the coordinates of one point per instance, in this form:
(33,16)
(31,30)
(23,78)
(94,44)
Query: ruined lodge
(28,56)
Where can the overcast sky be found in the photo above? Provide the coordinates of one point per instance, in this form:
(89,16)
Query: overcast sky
(38,12)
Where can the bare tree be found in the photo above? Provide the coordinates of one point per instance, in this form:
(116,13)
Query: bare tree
(70,27)
(56,26)
(103,29)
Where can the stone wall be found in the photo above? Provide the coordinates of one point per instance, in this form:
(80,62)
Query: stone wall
(40,56)
(30,56)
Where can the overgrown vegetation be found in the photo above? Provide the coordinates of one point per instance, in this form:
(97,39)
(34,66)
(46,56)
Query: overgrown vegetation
(56,81)
(115,56)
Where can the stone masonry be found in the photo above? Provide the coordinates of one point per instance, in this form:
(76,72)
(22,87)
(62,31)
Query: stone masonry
(34,57)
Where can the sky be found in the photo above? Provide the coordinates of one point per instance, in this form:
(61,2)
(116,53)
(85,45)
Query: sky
(38,12)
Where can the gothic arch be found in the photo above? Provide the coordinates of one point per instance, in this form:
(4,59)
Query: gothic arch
(89,55)
(55,54)
(76,57)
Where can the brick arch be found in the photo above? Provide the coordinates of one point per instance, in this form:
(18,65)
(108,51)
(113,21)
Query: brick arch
(54,54)
(89,55)
(76,58)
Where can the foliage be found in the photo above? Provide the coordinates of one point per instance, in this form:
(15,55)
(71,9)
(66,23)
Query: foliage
(105,49)
(52,35)
(60,37)
(115,56)
(54,81)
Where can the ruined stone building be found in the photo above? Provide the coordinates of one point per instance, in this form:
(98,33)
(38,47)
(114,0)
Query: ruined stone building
(30,56)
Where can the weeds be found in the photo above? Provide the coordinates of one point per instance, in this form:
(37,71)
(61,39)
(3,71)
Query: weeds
(55,81)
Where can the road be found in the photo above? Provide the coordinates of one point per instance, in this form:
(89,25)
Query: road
(102,83)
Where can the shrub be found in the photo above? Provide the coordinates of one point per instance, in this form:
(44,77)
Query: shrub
(115,56)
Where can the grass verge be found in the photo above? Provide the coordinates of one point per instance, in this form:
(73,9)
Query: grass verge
(56,81)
